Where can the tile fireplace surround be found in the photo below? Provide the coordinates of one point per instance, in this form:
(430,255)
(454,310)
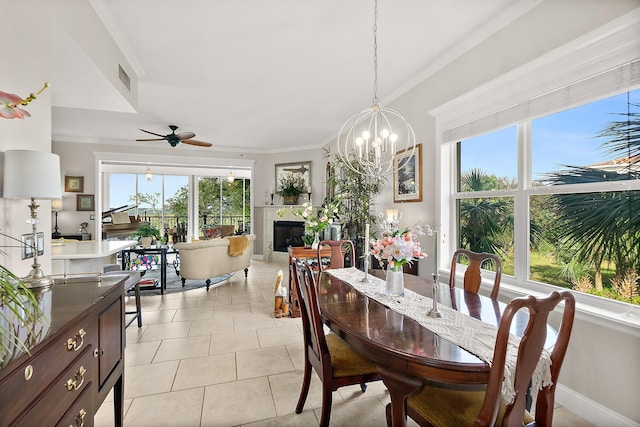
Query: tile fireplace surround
(264,219)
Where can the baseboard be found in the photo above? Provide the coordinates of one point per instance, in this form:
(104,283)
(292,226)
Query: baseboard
(590,410)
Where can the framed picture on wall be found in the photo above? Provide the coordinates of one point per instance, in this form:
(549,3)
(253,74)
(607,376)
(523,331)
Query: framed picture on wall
(74,184)
(407,179)
(288,170)
(85,202)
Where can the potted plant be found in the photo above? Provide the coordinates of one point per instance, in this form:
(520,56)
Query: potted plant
(147,234)
(291,187)
(358,192)
(22,320)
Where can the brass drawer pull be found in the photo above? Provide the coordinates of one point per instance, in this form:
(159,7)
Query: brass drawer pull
(28,372)
(97,352)
(79,419)
(72,343)
(72,384)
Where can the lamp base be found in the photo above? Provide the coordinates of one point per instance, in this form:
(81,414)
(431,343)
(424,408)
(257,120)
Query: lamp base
(37,280)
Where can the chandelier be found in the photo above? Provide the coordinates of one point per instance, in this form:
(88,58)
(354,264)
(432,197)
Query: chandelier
(230,177)
(369,140)
(148,174)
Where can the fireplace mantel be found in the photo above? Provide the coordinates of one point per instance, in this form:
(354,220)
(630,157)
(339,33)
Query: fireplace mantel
(264,218)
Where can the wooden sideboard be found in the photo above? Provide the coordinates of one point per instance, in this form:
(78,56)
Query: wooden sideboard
(64,378)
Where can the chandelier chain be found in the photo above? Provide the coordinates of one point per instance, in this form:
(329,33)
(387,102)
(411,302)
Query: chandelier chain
(375,53)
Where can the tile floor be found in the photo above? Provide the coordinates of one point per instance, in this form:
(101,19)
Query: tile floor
(220,358)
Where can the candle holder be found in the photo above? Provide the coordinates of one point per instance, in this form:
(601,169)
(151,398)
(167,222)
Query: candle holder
(309,194)
(271,199)
(365,279)
(435,312)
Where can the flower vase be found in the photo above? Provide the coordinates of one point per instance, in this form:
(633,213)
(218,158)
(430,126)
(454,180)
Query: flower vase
(316,241)
(394,285)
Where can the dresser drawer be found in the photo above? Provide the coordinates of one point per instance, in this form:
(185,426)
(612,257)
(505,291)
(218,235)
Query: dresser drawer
(81,412)
(64,390)
(33,376)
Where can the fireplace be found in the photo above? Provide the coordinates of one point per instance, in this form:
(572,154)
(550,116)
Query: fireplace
(287,233)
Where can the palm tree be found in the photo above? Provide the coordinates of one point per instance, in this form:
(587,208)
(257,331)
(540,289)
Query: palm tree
(604,226)
(484,222)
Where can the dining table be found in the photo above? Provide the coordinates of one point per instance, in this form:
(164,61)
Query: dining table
(407,353)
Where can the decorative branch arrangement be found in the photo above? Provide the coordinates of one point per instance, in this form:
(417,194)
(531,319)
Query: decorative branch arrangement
(9,104)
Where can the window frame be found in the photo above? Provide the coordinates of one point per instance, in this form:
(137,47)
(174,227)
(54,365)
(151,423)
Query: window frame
(582,67)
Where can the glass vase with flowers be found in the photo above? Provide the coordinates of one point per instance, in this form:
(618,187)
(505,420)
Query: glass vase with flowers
(315,220)
(396,247)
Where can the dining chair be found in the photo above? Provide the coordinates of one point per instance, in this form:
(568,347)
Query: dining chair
(473,276)
(335,362)
(440,406)
(336,259)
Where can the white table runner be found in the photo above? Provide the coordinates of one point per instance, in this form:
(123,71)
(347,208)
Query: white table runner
(475,336)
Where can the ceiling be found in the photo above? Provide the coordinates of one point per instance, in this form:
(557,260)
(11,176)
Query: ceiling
(262,76)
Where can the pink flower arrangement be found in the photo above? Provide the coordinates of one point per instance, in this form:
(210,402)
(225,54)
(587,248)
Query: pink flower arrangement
(396,247)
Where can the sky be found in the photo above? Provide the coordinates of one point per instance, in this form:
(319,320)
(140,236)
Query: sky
(567,137)
(124,185)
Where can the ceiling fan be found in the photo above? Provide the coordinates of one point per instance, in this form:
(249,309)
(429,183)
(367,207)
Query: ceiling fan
(174,139)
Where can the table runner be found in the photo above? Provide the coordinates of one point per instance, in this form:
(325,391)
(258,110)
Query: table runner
(473,335)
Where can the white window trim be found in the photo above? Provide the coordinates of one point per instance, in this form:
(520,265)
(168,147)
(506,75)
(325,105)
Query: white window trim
(585,68)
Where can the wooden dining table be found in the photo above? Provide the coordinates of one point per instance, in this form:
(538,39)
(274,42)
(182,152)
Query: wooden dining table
(407,353)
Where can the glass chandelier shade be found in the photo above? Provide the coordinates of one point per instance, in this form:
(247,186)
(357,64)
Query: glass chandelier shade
(230,177)
(148,174)
(369,140)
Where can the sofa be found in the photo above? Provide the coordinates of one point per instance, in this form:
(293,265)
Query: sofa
(206,259)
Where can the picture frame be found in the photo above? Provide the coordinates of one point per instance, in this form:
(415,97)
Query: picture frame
(302,169)
(28,246)
(85,202)
(407,179)
(74,184)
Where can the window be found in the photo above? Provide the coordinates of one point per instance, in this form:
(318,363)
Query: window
(575,191)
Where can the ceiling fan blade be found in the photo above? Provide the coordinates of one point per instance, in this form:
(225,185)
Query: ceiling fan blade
(152,133)
(185,135)
(198,143)
(151,139)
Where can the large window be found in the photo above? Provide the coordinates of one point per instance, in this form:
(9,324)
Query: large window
(163,201)
(558,197)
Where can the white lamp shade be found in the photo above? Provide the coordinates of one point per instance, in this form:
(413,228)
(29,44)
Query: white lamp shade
(30,174)
(56,205)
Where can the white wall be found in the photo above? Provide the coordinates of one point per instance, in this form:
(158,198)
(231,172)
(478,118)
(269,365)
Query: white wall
(26,65)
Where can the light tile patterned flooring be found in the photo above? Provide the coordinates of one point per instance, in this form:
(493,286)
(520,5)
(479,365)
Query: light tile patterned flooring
(220,358)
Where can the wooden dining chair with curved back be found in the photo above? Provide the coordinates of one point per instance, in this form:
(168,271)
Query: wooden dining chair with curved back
(336,259)
(335,362)
(473,276)
(439,406)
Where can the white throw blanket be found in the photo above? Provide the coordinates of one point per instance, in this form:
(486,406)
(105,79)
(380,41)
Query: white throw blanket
(473,335)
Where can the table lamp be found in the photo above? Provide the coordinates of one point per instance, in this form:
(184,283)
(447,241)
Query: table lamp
(32,175)
(56,206)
